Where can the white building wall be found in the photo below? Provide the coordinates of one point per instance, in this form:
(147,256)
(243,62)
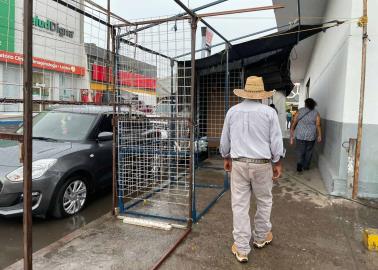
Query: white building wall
(334,71)
(326,70)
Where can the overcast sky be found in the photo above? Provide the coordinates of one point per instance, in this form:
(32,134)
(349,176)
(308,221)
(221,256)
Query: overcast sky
(231,26)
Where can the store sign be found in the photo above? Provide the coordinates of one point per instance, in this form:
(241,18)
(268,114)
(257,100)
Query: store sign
(136,80)
(7,9)
(18,59)
(101,73)
(125,78)
(52,26)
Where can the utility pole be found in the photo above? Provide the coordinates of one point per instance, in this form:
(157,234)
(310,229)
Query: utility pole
(362,23)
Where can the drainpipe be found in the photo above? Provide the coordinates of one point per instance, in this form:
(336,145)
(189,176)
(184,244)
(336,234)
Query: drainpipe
(362,23)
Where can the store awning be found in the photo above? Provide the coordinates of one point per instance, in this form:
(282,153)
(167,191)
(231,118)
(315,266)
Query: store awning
(268,57)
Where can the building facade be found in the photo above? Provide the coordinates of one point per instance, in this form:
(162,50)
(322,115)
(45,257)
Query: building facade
(328,68)
(59,60)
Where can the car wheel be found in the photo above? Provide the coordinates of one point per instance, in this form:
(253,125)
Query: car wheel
(71,197)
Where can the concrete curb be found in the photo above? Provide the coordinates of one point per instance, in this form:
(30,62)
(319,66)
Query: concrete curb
(63,241)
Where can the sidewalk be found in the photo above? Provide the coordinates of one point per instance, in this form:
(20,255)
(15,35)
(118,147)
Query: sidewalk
(311,231)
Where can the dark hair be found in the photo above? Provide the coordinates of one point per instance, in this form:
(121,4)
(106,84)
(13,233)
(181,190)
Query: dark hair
(310,103)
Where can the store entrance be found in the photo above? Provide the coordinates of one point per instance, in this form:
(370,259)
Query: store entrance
(42,90)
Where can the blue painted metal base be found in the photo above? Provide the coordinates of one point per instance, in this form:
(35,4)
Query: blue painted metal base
(196,216)
(135,213)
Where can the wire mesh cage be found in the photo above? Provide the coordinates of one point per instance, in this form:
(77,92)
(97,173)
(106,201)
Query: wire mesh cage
(174,172)
(154,147)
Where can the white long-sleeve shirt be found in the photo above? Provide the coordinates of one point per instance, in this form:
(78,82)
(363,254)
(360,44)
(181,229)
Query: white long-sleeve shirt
(252,130)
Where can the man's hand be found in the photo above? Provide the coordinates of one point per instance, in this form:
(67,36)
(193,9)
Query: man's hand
(319,139)
(277,170)
(291,140)
(227,164)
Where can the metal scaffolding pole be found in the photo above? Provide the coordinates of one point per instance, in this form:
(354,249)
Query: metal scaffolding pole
(108,36)
(27,150)
(363,23)
(192,95)
(114,123)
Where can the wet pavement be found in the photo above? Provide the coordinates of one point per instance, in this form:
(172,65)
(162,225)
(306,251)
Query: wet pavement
(311,231)
(47,231)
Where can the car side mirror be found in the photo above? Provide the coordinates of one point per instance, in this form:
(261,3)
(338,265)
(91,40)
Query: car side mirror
(105,136)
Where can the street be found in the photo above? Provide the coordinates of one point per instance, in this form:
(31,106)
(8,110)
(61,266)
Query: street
(47,231)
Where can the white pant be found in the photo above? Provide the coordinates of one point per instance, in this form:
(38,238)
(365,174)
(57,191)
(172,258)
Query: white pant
(245,178)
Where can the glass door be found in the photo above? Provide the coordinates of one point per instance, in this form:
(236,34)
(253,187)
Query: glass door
(37,95)
(42,89)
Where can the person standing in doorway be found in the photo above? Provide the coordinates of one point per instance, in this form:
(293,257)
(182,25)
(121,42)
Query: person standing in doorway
(305,129)
(274,107)
(252,146)
(289,116)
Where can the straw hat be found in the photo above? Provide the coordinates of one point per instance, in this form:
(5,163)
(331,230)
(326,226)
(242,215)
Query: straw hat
(254,89)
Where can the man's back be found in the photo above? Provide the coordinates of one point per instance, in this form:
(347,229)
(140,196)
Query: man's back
(252,130)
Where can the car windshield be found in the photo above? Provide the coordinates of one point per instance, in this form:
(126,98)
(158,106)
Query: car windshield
(64,126)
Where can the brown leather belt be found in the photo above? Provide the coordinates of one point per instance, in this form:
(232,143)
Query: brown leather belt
(252,160)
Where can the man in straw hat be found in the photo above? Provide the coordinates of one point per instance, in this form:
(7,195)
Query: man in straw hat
(252,146)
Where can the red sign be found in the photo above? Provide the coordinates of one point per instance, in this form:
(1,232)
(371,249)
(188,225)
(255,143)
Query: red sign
(18,59)
(136,80)
(99,73)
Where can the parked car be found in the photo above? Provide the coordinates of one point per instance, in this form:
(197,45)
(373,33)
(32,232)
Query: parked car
(72,158)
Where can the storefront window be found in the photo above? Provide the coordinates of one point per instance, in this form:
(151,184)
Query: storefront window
(12,86)
(66,89)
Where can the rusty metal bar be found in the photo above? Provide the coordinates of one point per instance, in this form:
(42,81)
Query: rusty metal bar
(170,251)
(27,136)
(237,11)
(362,100)
(11,136)
(58,102)
(194,23)
(41,101)
(201,16)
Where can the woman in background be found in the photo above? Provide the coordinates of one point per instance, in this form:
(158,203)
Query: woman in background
(305,129)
